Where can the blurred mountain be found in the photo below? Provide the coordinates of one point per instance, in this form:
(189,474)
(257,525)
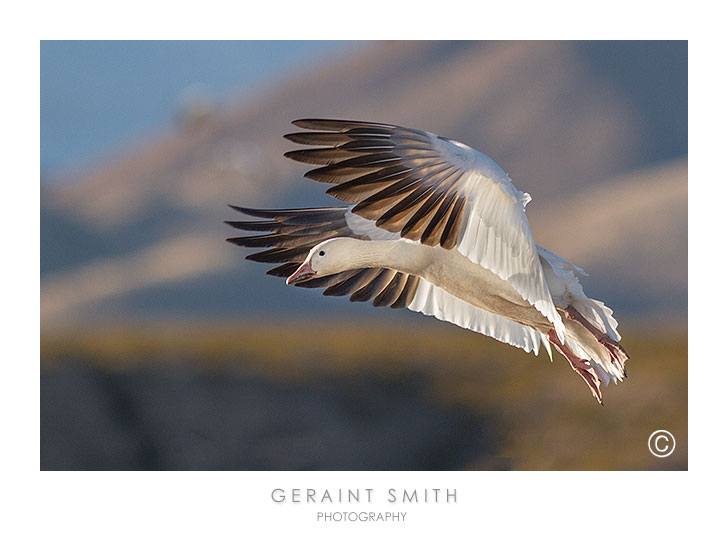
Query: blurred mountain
(596,132)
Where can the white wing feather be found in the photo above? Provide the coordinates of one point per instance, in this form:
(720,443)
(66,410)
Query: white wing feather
(434,301)
(495,231)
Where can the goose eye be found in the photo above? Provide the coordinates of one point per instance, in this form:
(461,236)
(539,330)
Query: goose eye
(321,253)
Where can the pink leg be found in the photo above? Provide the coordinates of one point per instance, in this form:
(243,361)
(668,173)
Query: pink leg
(581,366)
(616,352)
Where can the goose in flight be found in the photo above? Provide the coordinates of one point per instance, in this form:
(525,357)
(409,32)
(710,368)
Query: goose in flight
(439,228)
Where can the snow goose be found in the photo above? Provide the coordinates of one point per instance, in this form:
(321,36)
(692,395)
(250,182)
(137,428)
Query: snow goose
(439,228)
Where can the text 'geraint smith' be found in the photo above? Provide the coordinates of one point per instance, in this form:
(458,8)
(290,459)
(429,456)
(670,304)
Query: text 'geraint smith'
(366,495)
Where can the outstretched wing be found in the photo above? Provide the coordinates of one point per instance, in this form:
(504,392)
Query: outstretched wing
(288,236)
(433,190)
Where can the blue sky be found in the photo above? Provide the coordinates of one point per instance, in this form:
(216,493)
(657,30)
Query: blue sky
(97,95)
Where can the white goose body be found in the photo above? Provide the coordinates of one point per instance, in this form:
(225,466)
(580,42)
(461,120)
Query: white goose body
(439,228)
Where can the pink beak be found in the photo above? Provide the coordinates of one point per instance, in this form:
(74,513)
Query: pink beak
(303,273)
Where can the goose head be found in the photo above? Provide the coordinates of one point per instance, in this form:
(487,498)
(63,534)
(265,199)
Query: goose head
(326,258)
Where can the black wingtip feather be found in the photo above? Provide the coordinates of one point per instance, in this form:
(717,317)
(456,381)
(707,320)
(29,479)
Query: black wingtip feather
(279,255)
(327,124)
(253,212)
(407,294)
(256,226)
(284,270)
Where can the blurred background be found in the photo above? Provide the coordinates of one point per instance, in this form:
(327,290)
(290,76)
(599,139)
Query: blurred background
(162,348)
